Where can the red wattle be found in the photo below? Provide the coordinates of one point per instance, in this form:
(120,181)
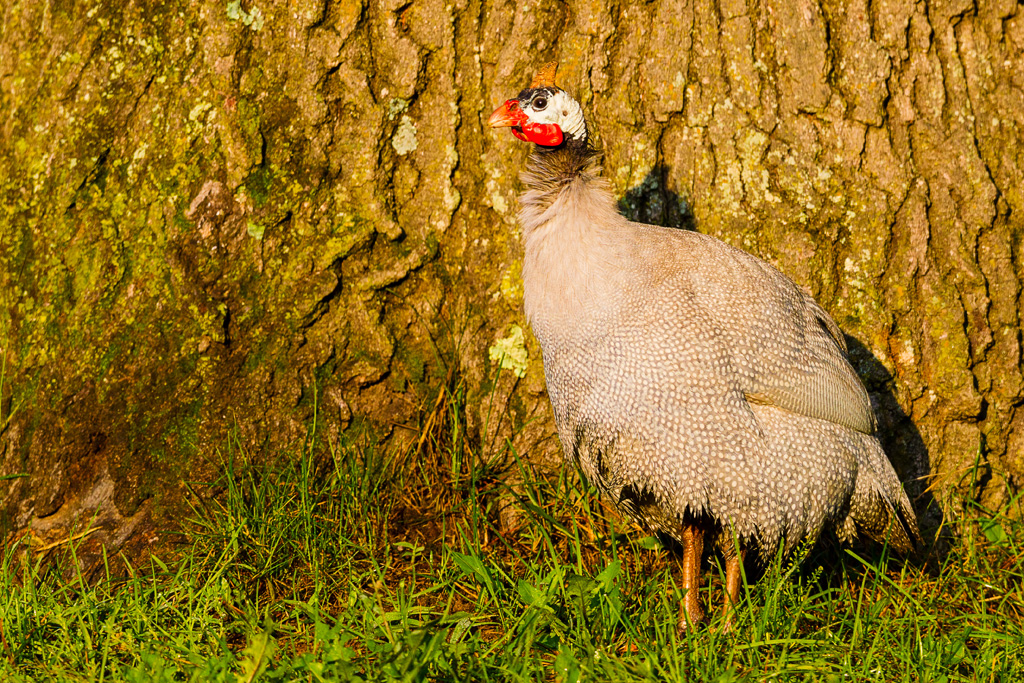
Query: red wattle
(546,134)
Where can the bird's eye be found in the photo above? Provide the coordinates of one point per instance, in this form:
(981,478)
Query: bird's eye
(540,103)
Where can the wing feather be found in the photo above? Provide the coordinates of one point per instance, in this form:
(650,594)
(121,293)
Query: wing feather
(788,351)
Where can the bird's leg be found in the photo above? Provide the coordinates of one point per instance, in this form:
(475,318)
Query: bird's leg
(732,587)
(690,612)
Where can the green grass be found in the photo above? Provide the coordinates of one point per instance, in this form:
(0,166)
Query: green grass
(351,564)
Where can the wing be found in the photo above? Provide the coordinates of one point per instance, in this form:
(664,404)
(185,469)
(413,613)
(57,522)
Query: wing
(819,382)
(786,350)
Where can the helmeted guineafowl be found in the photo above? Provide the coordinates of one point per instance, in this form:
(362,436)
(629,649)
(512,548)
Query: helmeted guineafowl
(700,390)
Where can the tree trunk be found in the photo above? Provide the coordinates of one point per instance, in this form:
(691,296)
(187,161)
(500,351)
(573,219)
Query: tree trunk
(220,219)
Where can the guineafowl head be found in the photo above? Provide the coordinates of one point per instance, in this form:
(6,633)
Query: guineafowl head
(543,114)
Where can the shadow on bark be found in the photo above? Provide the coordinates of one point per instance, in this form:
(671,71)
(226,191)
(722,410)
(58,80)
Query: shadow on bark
(900,438)
(653,203)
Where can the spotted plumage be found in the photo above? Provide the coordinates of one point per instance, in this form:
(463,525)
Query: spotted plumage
(701,391)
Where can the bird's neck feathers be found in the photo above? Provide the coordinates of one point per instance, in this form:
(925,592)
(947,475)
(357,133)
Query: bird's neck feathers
(573,237)
(551,172)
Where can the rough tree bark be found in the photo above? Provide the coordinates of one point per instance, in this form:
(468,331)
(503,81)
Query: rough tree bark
(217,218)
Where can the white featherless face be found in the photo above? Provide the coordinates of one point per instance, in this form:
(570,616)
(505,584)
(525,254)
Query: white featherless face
(553,105)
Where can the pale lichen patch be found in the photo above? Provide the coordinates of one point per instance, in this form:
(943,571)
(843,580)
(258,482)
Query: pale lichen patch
(255,230)
(404,140)
(253,18)
(510,352)
(396,106)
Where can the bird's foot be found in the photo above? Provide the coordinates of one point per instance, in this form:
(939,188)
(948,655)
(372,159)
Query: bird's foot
(690,615)
(733,577)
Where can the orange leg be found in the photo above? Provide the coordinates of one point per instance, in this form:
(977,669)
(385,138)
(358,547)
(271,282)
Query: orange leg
(690,611)
(732,588)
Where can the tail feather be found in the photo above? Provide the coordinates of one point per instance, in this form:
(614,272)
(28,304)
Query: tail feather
(880,507)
